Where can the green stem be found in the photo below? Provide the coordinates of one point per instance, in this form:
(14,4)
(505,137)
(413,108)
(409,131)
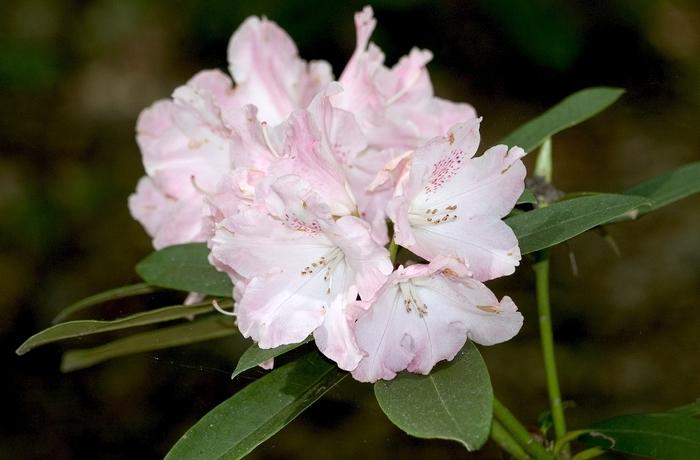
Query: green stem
(543,165)
(393,250)
(566,439)
(506,442)
(541,268)
(519,433)
(589,453)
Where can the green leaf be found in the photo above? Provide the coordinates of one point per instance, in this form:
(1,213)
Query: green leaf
(112,294)
(207,328)
(689,410)
(185,267)
(668,188)
(251,416)
(666,436)
(453,402)
(558,222)
(254,356)
(82,328)
(528,197)
(571,111)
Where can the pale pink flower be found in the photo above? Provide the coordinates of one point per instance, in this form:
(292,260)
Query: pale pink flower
(424,314)
(290,178)
(268,72)
(451,202)
(308,144)
(288,235)
(185,147)
(301,269)
(397,111)
(394,106)
(315,144)
(190,141)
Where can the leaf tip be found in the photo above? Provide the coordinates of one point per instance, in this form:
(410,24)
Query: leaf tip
(22,349)
(27,346)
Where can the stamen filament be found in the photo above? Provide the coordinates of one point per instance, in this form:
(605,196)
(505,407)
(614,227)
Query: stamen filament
(218,308)
(267,140)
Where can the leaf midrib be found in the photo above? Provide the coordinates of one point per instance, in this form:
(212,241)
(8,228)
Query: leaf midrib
(567,221)
(452,418)
(617,209)
(609,431)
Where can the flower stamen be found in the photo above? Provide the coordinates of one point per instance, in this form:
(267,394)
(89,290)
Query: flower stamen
(328,263)
(412,300)
(267,139)
(218,308)
(433,215)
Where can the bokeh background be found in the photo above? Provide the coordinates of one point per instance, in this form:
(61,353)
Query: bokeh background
(74,76)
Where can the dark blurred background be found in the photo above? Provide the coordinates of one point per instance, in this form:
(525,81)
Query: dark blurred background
(74,76)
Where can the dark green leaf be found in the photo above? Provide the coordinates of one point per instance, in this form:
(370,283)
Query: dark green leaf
(244,421)
(453,402)
(185,267)
(670,187)
(254,356)
(558,222)
(183,334)
(666,436)
(82,328)
(113,294)
(573,110)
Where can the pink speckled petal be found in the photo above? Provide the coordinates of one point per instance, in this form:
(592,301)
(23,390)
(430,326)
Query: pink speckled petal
(453,203)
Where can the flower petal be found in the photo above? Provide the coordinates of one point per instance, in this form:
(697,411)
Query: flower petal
(423,315)
(184,143)
(253,243)
(368,260)
(395,107)
(335,338)
(265,64)
(275,312)
(486,243)
(315,144)
(166,220)
(488,184)
(452,202)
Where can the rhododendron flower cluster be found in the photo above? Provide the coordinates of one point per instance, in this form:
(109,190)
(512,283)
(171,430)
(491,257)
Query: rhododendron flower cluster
(291,177)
